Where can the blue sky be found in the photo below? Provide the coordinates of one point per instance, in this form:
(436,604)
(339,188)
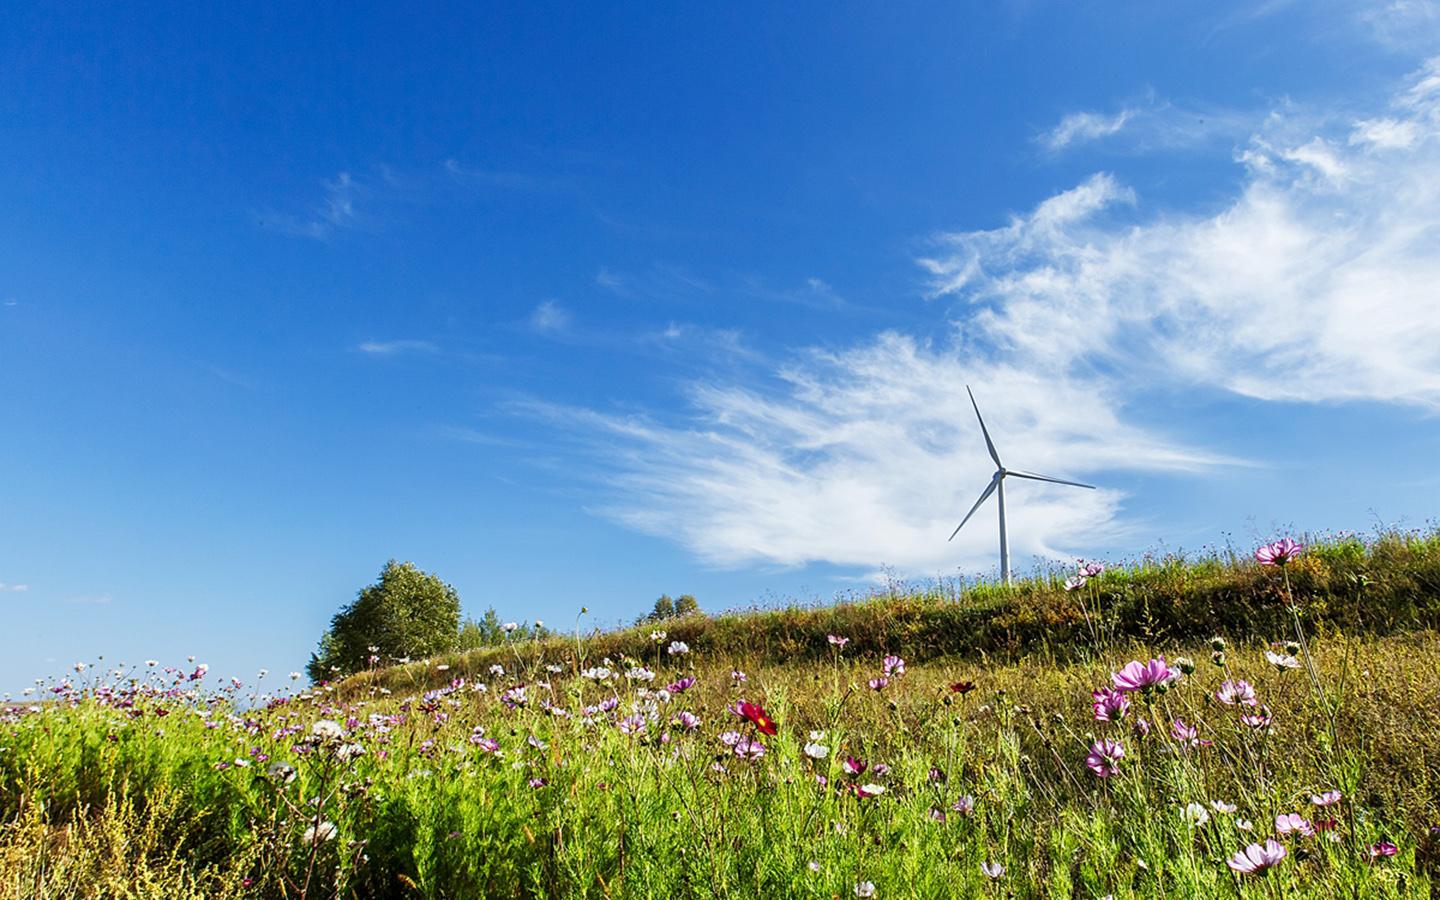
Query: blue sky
(576,304)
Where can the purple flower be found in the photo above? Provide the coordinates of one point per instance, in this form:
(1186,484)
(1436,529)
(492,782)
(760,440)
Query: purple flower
(681,685)
(964,806)
(1258,719)
(1110,705)
(1137,676)
(853,766)
(1140,728)
(1382,850)
(1236,693)
(1256,858)
(730,738)
(837,641)
(879,684)
(1293,823)
(1075,582)
(1091,569)
(937,814)
(1187,735)
(749,749)
(538,782)
(1278,553)
(1104,757)
(893,665)
(631,725)
(687,720)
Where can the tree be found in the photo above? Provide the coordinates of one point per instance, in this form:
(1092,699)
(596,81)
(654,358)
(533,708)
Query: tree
(664,609)
(686,604)
(406,613)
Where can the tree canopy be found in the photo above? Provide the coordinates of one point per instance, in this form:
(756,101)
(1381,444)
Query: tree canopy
(405,613)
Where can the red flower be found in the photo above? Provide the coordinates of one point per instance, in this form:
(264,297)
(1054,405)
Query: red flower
(755,714)
(962,687)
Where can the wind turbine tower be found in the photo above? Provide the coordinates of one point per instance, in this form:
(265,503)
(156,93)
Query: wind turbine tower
(997,487)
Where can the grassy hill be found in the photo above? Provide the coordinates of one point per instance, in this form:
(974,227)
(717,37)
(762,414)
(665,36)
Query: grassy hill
(1385,585)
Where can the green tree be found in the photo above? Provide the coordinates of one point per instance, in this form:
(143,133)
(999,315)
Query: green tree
(406,613)
(686,604)
(664,609)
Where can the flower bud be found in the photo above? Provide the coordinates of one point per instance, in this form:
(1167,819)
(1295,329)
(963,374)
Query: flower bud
(1185,664)
(1217,644)
(1218,658)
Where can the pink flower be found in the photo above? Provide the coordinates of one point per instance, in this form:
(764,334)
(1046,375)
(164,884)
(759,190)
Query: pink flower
(1233,693)
(1104,757)
(837,641)
(1293,823)
(894,665)
(1278,553)
(1328,798)
(1382,850)
(879,684)
(1137,676)
(749,749)
(1187,735)
(853,766)
(1258,719)
(1110,705)
(1256,858)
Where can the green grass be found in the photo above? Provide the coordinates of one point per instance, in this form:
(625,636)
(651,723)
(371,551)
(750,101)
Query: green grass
(102,795)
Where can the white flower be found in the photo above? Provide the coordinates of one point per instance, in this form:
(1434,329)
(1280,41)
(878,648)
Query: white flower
(348,752)
(539,624)
(816,751)
(152,663)
(813,865)
(317,833)
(657,636)
(678,648)
(1243,824)
(327,730)
(597,673)
(497,670)
(1282,660)
(294,676)
(1220,806)
(817,735)
(865,889)
(1196,814)
(640,673)
(993,870)
(510,626)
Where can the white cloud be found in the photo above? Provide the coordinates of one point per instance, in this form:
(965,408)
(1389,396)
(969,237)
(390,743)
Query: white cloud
(13,588)
(1316,281)
(392,348)
(335,211)
(1079,127)
(549,316)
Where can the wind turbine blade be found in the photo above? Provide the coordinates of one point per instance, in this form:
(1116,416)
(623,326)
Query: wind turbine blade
(988,491)
(983,430)
(1033,477)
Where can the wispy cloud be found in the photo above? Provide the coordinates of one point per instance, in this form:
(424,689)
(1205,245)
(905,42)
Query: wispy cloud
(1316,282)
(336,211)
(13,588)
(549,316)
(396,347)
(1078,127)
(500,179)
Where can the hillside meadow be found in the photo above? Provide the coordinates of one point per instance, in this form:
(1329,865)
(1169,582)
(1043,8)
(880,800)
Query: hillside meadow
(1169,728)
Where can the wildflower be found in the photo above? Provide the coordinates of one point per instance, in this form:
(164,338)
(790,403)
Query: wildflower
(1140,728)
(1383,850)
(1218,659)
(864,888)
(658,636)
(348,752)
(509,627)
(754,713)
(1293,823)
(879,684)
(1236,693)
(497,670)
(537,782)
(320,833)
(749,749)
(597,674)
(1104,757)
(1218,644)
(1187,735)
(1282,661)
(1092,569)
(962,687)
(880,769)
(639,673)
(1137,676)
(993,870)
(837,641)
(280,772)
(1278,553)
(1220,806)
(813,865)
(853,766)
(516,696)
(1185,664)
(152,663)
(681,685)
(539,624)
(535,742)
(487,744)
(1328,798)
(964,806)
(1259,719)
(937,814)
(1196,814)
(687,720)
(633,724)
(816,751)
(1074,582)
(893,665)
(554,669)
(327,730)
(1256,858)
(1244,824)
(678,648)
(730,738)
(869,791)
(936,775)
(1110,705)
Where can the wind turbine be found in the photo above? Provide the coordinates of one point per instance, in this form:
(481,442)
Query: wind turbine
(997,486)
